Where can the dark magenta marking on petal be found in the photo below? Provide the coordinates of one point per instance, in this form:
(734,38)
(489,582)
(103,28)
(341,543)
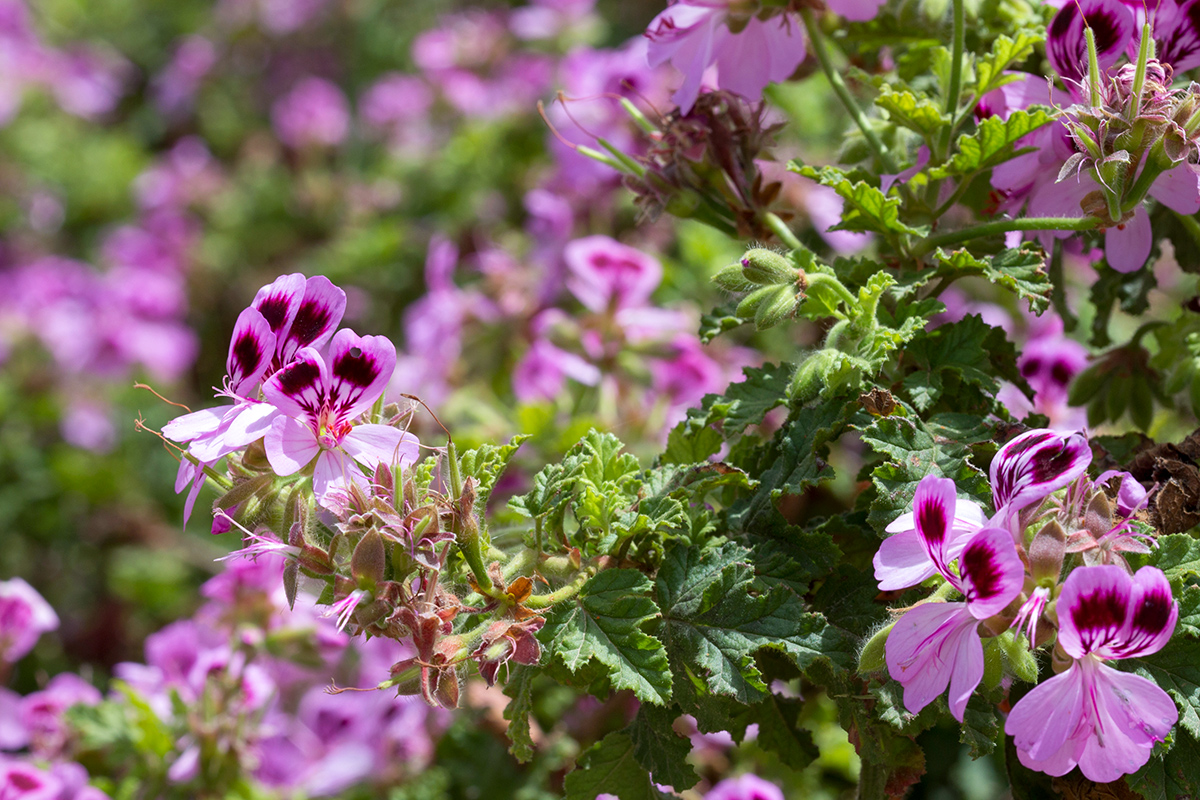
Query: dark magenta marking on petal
(1150,619)
(1015,448)
(1047,468)
(1061,373)
(978,565)
(1098,617)
(931,521)
(311,321)
(274,309)
(1182,43)
(246,354)
(1030,367)
(299,376)
(360,370)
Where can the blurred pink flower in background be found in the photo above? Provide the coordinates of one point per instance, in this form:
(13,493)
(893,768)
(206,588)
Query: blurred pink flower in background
(314,113)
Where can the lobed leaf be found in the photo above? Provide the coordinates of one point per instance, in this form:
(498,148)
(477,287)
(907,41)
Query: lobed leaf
(992,143)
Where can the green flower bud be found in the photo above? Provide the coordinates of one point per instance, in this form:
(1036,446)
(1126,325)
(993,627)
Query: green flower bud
(748,308)
(1020,657)
(369,561)
(872,656)
(810,377)
(732,280)
(768,268)
(776,308)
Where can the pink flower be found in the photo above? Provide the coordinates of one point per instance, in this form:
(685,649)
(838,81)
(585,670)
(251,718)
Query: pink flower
(903,559)
(320,402)
(936,645)
(744,787)
(313,113)
(604,274)
(24,617)
(694,35)
(1092,715)
(1034,465)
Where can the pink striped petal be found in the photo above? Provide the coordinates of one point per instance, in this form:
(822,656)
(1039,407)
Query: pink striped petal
(279,301)
(1033,465)
(991,573)
(1044,720)
(359,370)
(299,389)
(933,512)
(251,349)
(925,647)
(331,479)
(1150,619)
(195,424)
(1111,22)
(1092,608)
(250,423)
(290,445)
(316,319)
(372,444)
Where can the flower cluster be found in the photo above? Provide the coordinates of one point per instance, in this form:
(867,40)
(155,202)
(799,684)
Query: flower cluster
(1010,570)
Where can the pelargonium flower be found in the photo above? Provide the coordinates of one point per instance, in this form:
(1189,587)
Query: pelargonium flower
(935,645)
(24,617)
(320,402)
(604,273)
(313,114)
(302,312)
(1032,466)
(745,787)
(1092,715)
(903,559)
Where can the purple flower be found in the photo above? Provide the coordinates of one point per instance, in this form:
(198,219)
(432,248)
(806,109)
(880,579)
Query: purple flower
(313,114)
(1111,23)
(605,274)
(1034,465)
(20,781)
(744,787)
(42,712)
(24,617)
(936,645)
(695,35)
(176,85)
(1092,715)
(543,370)
(903,559)
(320,401)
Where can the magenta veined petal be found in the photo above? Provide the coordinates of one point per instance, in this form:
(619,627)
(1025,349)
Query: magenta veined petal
(1127,246)
(1102,610)
(193,425)
(279,301)
(1176,33)
(902,559)
(251,349)
(991,573)
(359,370)
(371,445)
(317,317)
(925,648)
(250,423)
(1044,720)
(933,514)
(299,389)
(332,475)
(1035,464)
(1110,21)
(290,445)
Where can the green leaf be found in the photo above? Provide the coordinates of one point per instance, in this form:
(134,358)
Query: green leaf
(779,731)
(551,488)
(520,689)
(969,348)
(744,403)
(866,209)
(686,445)
(991,143)
(795,559)
(914,451)
(796,458)
(659,749)
(712,624)
(980,727)
(919,114)
(1020,271)
(1177,555)
(610,767)
(605,622)
(1175,775)
(721,320)
(989,71)
(486,464)
(1176,670)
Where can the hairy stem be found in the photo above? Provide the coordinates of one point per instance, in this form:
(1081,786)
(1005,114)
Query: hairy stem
(956,70)
(1004,226)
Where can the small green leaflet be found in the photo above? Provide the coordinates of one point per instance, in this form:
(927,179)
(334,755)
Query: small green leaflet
(989,70)
(610,767)
(991,143)
(659,749)
(605,622)
(1177,555)
(867,209)
(486,464)
(1020,271)
(919,114)
(969,348)
(713,625)
(520,689)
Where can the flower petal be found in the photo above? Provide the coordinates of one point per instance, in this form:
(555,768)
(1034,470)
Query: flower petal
(300,389)
(991,573)
(933,511)
(1127,246)
(1134,713)
(1092,608)
(1176,33)
(279,301)
(922,649)
(1035,464)
(1043,721)
(1151,617)
(290,445)
(251,349)
(359,370)
(195,424)
(967,671)
(250,422)
(371,445)
(316,319)
(1178,189)
(331,479)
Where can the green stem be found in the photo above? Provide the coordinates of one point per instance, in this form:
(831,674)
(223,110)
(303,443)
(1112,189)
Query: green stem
(956,70)
(817,39)
(1058,294)
(1004,226)
(565,593)
(782,231)
(1189,224)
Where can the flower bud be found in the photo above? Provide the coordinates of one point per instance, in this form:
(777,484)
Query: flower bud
(1046,553)
(369,560)
(768,268)
(731,279)
(872,656)
(810,378)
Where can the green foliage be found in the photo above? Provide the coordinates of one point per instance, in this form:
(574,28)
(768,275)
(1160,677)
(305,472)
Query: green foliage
(712,623)
(969,349)
(1020,271)
(917,113)
(867,209)
(659,749)
(992,143)
(520,692)
(611,766)
(1006,50)
(606,621)
(486,464)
